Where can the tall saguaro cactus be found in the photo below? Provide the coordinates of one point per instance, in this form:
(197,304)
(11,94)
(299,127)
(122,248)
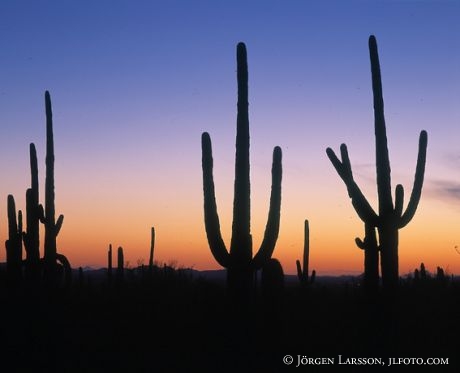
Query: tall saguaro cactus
(52,227)
(390,217)
(239,260)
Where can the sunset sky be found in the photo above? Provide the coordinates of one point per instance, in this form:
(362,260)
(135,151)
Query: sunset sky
(135,83)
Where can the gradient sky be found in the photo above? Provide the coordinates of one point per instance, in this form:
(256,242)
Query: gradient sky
(135,83)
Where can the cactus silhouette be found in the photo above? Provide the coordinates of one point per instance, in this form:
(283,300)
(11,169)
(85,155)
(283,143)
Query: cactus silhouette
(302,273)
(390,217)
(31,237)
(239,260)
(109,263)
(48,218)
(120,264)
(13,244)
(423,272)
(152,246)
(371,258)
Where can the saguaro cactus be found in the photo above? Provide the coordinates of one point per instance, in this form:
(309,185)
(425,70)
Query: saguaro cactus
(390,217)
(109,263)
(302,273)
(120,264)
(152,247)
(52,227)
(239,260)
(14,244)
(31,236)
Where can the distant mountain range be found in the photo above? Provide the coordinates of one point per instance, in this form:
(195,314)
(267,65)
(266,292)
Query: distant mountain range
(218,275)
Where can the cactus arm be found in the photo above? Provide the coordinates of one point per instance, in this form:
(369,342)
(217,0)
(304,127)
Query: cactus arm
(359,202)
(12,222)
(418,181)
(399,200)
(59,224)
(273,223)
(41,214)
(26,236)
(31,237)
(360,243)
(299,270)
(211,217)
(67,269)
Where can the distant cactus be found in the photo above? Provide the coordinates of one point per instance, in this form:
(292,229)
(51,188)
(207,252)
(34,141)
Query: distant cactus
(109,263)
(152,246)
(391,217)
(14,244)
(302,273)
(120,264)
(423,272)
(440,275)
(52,227)
(238,260)
(371,258)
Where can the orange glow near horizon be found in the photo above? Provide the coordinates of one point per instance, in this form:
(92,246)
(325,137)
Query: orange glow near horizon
(181,240)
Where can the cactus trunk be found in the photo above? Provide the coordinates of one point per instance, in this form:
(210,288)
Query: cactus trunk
(371,259)
(388,239)
(50,222)
(52,227)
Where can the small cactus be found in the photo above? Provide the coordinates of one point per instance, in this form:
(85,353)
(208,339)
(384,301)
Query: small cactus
(109,263)
(152,246)
(302,273)
(120,264)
